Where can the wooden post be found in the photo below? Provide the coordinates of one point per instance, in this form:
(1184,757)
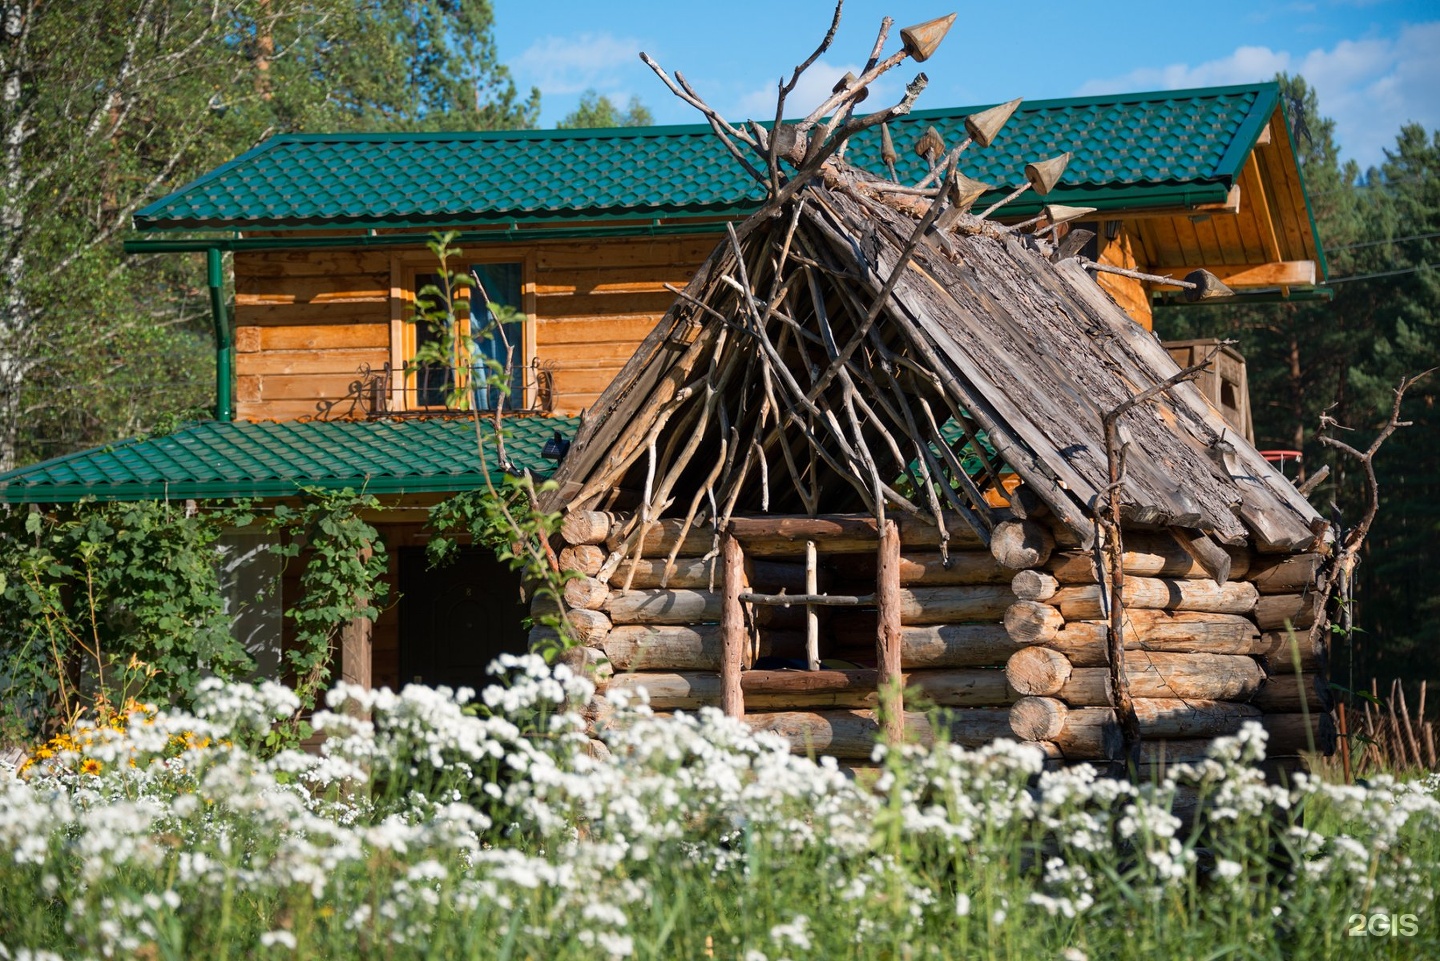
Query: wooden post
(887,632)
(356,648)
(732,626)
(812,619)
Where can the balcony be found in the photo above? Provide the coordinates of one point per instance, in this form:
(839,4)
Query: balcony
(417,390)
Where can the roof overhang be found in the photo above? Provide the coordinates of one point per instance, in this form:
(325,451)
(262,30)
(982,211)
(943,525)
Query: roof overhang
(214,460)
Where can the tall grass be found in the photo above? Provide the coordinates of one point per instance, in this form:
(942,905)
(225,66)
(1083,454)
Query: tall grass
(499,830)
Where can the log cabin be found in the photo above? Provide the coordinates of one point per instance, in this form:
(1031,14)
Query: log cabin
(589,235)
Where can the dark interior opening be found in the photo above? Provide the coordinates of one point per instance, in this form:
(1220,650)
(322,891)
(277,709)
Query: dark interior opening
(457,618)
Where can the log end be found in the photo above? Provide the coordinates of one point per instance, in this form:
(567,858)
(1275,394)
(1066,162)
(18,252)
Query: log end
(1030,622)
(1037,671)
(1038,718)
(1020,544)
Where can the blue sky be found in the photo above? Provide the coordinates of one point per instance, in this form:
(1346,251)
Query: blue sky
(1374,63)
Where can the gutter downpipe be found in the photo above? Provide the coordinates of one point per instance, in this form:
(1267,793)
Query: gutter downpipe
(224,342)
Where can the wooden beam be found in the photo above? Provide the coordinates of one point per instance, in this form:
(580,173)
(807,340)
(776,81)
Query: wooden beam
(1265,137)
(732,626)
(887,632)
(1260,205)
(1281,273)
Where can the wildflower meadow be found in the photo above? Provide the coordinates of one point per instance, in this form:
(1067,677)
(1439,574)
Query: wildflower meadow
(440,824)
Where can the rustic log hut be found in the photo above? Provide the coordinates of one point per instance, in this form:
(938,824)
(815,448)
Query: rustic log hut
(883,454)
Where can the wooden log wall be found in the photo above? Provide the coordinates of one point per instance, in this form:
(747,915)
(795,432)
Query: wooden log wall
(1201,657)
(982,638)
(306,320)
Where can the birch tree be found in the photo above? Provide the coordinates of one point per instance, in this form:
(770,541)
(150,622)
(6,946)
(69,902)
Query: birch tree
(107,107)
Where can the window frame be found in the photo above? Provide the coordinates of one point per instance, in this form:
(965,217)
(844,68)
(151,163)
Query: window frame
(406,266)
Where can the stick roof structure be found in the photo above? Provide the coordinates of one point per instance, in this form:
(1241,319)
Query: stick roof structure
(859,345)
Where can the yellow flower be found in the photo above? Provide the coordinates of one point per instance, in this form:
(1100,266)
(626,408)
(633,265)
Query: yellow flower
(90,766)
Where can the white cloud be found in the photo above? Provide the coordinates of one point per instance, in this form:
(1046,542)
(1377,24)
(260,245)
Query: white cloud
(1370,87)
(569,65)
(814,88)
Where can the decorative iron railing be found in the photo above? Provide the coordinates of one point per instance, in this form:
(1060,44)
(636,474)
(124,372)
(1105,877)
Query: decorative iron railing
(425,388)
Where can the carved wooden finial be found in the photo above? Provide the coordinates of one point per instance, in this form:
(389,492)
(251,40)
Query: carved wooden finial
(1043,175)
(922,39)
(1061,214)
(845,82)
(930,145)
(983,126)
(887,146)
(965,191)
(1207,286)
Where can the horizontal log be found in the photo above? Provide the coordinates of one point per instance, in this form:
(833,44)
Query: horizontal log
(1037,671)
(955,645)
(588,662)
(1091,733)
(1038,718)
(928,569)
(586,559)
(1021,544)
(788,690)
(690,648)
(1279,612)
(656,606)
(785,535)
(1083,602)
(1183,632)
(1292,734)
(807,600)
(585,527)
(1278,651)
(954,605)
(1292,693)
(1030,622)
(695,572)
(1146,554)
(853,734)
(1286,573)
(1217,677)
(662,537)
(586,593)
(589,628)
(1034,585)
(664,607)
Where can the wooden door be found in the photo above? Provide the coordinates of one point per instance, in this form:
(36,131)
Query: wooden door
(456,619)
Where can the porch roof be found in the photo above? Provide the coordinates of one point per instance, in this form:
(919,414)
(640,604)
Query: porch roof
(218,460)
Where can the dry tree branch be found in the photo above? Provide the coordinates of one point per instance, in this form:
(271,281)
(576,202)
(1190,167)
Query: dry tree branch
(1353,540)
(723,130)
(1109,497)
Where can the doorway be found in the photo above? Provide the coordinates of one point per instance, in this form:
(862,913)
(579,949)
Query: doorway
(457,618)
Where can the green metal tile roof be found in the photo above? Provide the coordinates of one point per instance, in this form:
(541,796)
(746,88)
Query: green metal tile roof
(222,460)
(1132,150)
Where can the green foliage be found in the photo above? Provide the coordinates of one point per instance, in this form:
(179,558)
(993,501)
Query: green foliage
(596,111)
(103,602)
(342,579)
(94,345)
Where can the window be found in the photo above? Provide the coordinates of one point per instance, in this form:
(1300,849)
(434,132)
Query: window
(433,383)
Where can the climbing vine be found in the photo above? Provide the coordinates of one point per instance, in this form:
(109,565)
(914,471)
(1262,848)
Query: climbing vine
(343,578)
(506,516)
